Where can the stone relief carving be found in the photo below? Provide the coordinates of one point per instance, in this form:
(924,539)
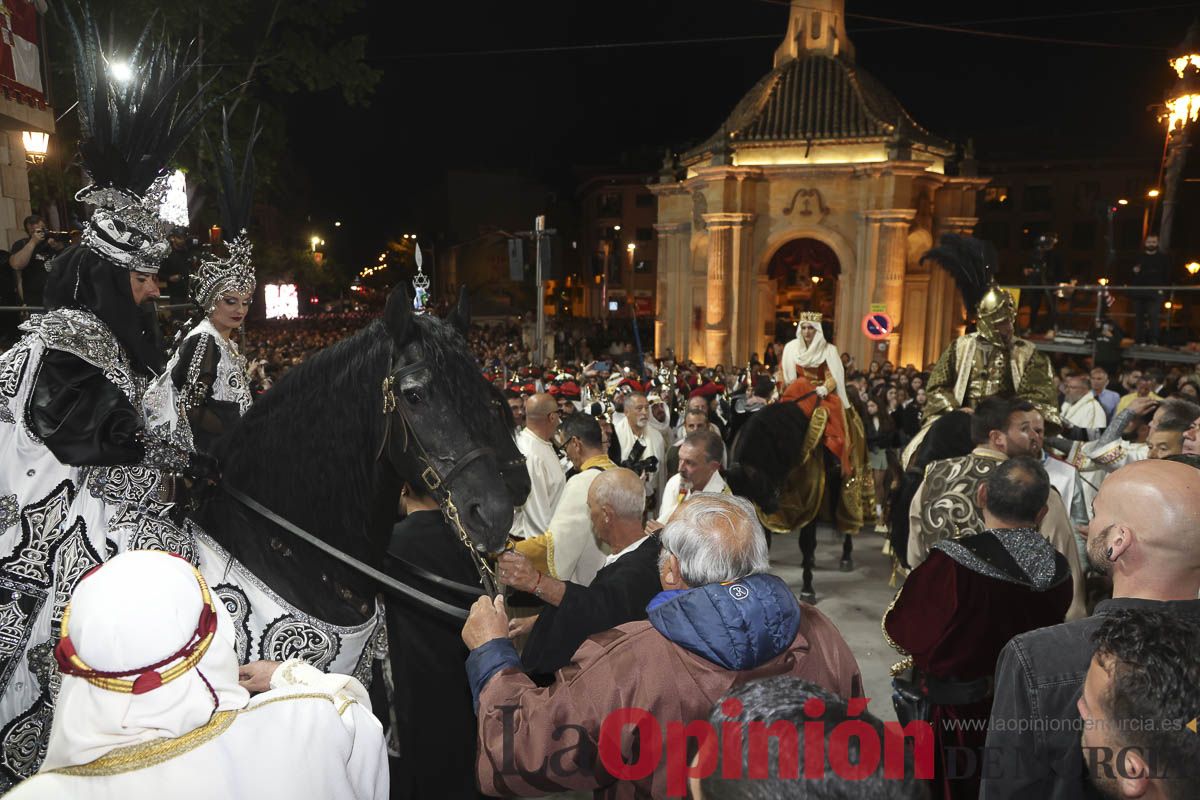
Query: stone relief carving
(810,204)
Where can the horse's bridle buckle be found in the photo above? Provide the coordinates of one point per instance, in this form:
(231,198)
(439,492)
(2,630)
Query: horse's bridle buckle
(433,481)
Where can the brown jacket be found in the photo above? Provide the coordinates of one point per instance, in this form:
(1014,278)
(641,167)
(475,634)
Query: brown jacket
(536,741)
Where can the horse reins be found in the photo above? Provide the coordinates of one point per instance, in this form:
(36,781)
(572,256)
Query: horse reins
(437,483)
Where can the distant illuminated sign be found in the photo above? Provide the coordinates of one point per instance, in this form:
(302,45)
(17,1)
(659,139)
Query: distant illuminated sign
(282,300)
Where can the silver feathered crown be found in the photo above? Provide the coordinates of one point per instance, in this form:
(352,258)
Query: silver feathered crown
(218,276)
(235,272)
(130,130)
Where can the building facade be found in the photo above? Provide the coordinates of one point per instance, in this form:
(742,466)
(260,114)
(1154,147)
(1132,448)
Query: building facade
(618,247)
(818,192)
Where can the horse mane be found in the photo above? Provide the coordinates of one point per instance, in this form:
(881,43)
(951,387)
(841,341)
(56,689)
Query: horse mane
(306,448)
(766,451)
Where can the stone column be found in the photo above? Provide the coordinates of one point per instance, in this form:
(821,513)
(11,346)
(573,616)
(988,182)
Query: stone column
(891,253)
(725,266)
(671,290)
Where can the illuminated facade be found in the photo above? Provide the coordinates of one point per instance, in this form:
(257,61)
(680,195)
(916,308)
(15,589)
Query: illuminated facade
(819,192)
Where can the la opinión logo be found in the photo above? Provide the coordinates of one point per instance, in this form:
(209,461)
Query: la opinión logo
(855,748)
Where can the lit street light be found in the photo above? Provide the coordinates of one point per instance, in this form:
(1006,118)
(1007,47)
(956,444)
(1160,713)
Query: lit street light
(37,144)
(1192,267)
(314,241)
(1153,193)
(121,71)
(1122,202)
(337,224)
(1182,108)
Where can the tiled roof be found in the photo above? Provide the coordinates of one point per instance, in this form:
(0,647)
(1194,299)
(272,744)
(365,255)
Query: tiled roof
(820,98)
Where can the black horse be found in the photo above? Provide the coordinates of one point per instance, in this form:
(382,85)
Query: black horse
(330,445)
(790,477)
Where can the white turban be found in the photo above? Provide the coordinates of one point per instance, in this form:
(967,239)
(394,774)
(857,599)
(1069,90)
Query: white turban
(133,612)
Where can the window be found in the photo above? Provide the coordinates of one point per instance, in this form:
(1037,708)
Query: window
(645,234)
(1087,196)
(608,204)
(1037,198)
(1083,235)
(644,200)
(995,198)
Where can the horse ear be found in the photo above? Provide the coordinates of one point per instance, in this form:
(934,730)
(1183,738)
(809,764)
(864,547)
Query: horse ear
(398,315)
(460,315)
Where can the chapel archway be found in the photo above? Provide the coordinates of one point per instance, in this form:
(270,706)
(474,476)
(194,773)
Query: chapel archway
(805,273)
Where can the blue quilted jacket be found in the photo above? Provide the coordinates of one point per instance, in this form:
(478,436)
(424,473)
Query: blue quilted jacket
(738,626)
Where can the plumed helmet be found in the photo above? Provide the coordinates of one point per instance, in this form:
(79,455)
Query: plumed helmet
(995,308)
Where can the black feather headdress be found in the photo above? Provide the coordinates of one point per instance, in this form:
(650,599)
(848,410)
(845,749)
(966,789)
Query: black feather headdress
(130,131)
(971,261)
(235,196)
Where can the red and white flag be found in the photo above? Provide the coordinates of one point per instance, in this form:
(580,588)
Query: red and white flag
(20,59)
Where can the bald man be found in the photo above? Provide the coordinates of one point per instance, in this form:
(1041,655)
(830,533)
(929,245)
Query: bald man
(546,476)
(1146,535)
(619,593)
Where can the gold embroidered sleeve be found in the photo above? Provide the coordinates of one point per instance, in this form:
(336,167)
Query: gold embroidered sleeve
(939,392)
(1037,386)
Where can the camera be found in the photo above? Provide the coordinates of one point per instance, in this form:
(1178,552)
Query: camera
(61,236)
(643,466)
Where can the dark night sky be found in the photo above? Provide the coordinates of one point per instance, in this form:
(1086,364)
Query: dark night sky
(542,113)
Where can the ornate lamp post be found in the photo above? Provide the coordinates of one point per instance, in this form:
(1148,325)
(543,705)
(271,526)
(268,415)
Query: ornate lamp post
(1182,108)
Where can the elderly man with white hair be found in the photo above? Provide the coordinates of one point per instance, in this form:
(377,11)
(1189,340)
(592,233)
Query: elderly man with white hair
(719,621)
(153,704)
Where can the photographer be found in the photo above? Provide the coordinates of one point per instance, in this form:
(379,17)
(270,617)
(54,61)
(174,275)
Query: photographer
(176,269)
(31,257)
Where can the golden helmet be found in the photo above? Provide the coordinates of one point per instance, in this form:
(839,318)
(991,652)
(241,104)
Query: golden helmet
(996,306)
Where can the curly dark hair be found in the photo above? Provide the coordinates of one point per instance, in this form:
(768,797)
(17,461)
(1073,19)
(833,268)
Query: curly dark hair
(1151,658)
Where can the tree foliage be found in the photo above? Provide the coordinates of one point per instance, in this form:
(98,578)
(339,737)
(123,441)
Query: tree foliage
(268,54)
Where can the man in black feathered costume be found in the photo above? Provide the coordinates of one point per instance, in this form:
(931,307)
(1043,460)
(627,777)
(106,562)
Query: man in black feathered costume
(80,476)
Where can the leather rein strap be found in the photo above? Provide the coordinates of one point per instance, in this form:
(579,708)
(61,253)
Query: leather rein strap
(386,580)
(436,482)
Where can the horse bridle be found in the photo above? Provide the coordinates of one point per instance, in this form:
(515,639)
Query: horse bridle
(437,483)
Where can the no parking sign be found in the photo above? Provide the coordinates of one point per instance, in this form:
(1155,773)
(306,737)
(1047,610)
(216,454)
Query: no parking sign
(877,326)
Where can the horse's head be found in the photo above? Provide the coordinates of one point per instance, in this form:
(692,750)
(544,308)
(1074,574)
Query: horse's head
(449,431)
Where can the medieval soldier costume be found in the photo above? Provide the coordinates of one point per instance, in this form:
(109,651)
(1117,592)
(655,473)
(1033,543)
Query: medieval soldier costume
(992,360)
(79,473)
(204,389)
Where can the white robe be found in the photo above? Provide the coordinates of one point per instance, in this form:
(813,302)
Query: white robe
(574,554)
(653,444)
(546,483)
(1085,413)
(312,735)
(672,496)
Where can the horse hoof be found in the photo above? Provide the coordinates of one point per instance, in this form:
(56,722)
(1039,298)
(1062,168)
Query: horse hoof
(808,596)
(847,565)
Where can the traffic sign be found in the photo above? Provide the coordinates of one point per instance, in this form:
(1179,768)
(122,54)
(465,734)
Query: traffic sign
(877,326)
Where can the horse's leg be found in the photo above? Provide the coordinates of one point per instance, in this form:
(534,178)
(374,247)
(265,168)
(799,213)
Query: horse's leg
(808,549)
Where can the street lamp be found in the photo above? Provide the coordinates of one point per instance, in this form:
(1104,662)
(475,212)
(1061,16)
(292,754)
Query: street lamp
(37,144)
(1153,193)
(1192,267)
(1182,108)
(337,224)
(314,241)
(121,71)
(631,247)
(1122,202)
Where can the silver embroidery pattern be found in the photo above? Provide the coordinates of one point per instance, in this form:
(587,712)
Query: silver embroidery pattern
(43,667)
(1032,552)
(376,649)
(238,606)
(154,533)
(121,484)
(287,637)
(82,334)
(43,524)
(73,558)
(24,740)
(12,370)
(10,512)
